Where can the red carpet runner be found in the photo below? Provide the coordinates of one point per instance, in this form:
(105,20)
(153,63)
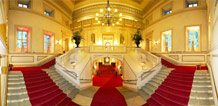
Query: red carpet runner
(108,95)
(41,89)
(176,88)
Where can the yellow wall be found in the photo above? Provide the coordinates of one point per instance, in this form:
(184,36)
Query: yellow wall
(101,31)
(176,21)
(38,22)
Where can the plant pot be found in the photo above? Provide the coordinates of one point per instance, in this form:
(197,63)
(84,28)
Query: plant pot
(77,44)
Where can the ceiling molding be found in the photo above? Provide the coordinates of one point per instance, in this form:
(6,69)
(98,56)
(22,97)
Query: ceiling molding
(91,10)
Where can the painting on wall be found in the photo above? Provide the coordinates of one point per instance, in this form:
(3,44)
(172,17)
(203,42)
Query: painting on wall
(93,38)
(121,39)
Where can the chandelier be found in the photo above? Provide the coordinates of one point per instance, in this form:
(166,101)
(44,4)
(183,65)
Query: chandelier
(108,16)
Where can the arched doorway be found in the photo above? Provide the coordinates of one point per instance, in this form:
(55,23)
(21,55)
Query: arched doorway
(107,72)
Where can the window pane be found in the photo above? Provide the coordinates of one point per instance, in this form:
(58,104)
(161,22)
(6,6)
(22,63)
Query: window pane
(190,35)
(20,5)
(170,38)
(24,35)
(166,38)
(48,38)
(190,43)
(196,35)
(18,43)
(24,43)
(195,5)
(19,34)
(44,38)
(25,6)
(170,45)
(46,46)
(196,44)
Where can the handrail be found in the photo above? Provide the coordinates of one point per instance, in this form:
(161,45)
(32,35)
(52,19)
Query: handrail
(211,70)
(131,69)
(150,70)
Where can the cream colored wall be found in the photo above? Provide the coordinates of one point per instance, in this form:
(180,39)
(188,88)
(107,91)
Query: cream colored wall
(38,22)
(99,31)
(213,37)
(177,21)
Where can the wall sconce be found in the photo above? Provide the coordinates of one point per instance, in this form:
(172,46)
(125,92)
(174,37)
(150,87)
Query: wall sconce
(58,42)
(155,42)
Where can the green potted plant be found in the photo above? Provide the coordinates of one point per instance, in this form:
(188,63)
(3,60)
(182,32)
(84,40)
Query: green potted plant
(137,38)
(77,37)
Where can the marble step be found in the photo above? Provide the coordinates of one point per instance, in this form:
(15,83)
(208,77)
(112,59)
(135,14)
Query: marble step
(62,83)
(15,75)
(147,90)
(143,94)
(160,77)
(196,102)
(202,73)
(16,81)
(150,86)
(201,89)
(158,81)
(203,95)
(69,90)
(199,84)
(73,93)
(202,80)
(66,87)
(23,103)
(15,78)
(15,86)
(17,97)
(16,91)
(202,77)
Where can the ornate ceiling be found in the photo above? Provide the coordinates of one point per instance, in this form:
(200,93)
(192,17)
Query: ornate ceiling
(140,4)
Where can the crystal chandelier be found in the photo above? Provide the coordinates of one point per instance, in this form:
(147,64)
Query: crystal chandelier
(108,16)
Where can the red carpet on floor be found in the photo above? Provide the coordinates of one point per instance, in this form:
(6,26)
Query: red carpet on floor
(108,95)
(41,89)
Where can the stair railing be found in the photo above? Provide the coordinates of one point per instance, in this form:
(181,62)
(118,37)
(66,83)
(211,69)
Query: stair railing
(146,74)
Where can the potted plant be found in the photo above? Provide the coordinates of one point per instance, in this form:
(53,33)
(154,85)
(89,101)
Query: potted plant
(137,38)
(77,37)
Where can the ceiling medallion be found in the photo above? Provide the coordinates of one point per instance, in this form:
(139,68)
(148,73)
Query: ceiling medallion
(108,16)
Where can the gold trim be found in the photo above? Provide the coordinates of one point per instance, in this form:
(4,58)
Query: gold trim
(4,70)
(23,61)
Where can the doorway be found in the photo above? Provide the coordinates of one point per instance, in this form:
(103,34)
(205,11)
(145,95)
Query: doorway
(66,44)
(107,72)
